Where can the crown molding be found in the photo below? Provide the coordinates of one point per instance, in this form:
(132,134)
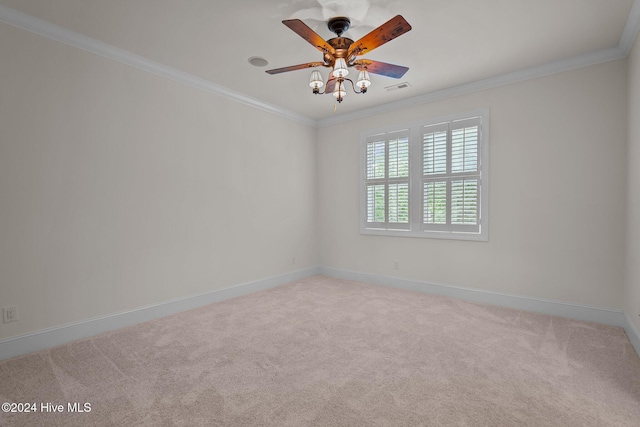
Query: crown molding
(627,39)
(568,64)
(63,35)
(631,29)
(55,32)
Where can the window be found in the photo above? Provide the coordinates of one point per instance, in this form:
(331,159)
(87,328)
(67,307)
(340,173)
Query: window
(388,180)
(427,180)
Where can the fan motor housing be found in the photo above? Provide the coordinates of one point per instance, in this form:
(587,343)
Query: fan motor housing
(339,43)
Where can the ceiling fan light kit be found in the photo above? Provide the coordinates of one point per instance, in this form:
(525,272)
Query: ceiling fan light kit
(316,81)
(341,53)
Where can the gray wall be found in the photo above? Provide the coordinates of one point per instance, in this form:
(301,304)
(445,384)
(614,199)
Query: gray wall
(557,194)
(632,289)
(120,189)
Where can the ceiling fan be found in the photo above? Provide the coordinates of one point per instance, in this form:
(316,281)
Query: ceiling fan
(340,53)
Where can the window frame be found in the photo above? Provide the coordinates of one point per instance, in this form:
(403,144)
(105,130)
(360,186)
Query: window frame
(416,226)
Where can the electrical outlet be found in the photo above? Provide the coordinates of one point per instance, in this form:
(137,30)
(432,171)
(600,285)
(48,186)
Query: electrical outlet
(396,265)
(293,260)
(9,314)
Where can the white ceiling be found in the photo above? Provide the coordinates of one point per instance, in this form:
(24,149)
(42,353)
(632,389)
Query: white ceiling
(453,43)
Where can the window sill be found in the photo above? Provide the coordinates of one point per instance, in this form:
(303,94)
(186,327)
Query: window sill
(446,235)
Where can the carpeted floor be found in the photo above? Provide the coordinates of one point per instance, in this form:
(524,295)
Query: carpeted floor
(325,352)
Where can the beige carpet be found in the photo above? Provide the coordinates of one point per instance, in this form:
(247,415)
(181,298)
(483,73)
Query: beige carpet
(325,352)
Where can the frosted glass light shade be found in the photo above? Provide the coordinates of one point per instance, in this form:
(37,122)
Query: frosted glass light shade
(340,68)
(338,91)
(316,80)
(363,79)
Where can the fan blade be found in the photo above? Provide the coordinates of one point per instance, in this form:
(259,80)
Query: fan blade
(331,83)
(294,67)
(309,35)
(386,32)
(382,68)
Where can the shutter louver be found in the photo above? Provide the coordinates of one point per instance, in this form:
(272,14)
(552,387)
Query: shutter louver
(375,160)
(464,150)
(464,202)
(399,203)
(435,202)
(399,158)
(375,203)
(435,153)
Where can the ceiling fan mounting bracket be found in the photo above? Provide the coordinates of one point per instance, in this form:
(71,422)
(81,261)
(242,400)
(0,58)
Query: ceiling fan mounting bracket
(339,25)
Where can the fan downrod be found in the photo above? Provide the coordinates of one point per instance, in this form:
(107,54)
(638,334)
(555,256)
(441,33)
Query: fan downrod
(339,25)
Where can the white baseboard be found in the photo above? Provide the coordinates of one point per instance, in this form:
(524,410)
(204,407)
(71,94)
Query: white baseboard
(554,308)
(632,332)
(51,337)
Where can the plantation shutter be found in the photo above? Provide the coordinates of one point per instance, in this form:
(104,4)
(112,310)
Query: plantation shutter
(427,179)
(387,180)
(451,176)
(434,178)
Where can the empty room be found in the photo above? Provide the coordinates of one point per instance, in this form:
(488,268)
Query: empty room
(320,212)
